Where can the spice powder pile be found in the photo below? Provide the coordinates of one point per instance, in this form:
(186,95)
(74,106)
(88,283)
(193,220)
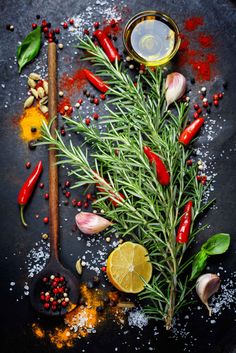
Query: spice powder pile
(30,123)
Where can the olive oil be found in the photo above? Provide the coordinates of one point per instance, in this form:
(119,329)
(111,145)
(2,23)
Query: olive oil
(151,38)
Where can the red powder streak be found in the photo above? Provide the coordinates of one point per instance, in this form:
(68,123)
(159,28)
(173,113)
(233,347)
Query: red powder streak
(206,41)
(72,84)
(193,23)
(194,50)
(203,70)
(63,102)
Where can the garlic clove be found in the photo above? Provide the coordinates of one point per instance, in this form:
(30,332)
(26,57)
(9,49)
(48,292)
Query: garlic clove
(175,87)
(206,286)
(90,223)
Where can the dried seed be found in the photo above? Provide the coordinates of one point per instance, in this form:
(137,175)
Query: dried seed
(35,93)
(45,86)
(78,267)
(40,92)
(29,101)
(44,100)
(35,76)
(45,236)
(43,108)
(31,83)
(126,305)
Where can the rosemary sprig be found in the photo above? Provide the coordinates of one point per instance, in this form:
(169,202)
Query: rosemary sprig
(149,213)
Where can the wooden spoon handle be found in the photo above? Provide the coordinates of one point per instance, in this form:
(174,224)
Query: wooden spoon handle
(53,169)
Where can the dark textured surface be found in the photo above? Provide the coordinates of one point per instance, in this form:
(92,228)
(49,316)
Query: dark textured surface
(17,316)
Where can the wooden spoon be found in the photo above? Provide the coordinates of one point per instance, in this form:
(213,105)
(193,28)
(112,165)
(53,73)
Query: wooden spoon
(54,267)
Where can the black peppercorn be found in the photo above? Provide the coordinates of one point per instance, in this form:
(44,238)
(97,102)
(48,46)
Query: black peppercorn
(31,144)
(225,84)
(38,17)
(99,308)
(114,38)
(192,80)
(84,91)
(33,129)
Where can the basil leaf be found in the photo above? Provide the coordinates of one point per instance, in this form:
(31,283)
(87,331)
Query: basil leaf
(29,48)
(217,244)
(199,263)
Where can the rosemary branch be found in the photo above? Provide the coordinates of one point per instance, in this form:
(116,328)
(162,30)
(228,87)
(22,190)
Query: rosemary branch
(149,212)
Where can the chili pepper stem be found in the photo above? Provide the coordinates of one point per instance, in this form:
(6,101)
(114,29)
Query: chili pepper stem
(22,216)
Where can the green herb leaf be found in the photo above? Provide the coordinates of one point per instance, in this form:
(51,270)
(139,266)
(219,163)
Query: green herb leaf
(217,244)
(199,263)
(29,48)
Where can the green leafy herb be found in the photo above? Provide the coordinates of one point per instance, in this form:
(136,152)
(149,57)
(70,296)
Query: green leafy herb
(215,245)
(199,263)
(29,48)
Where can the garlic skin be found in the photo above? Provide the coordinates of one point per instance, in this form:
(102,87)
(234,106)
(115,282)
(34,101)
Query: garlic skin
(206,286)
(90,223)
(175,87)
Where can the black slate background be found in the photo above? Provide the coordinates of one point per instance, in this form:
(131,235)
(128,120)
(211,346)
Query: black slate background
(16,317)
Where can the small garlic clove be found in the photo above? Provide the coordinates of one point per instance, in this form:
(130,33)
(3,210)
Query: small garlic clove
(90,223)
(206,286)
(175,87)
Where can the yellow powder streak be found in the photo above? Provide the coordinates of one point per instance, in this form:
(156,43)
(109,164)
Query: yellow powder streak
(32,117)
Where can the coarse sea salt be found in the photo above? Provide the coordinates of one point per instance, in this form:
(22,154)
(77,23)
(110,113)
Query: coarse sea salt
(37,257)
(137,318)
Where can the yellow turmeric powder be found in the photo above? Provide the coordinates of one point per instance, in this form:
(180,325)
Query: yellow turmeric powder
(31,118)
(38,331)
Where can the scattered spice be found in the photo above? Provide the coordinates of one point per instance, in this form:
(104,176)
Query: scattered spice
(193,23)
(72,84)
(32,117)
(194,50)
(93,310)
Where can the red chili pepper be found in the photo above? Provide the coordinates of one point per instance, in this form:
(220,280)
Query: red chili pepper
(185,224)
(27,189)
(107,45)
(188,134)
(163,175)
(96,81)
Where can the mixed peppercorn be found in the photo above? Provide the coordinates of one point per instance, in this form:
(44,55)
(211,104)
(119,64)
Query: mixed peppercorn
(55,297)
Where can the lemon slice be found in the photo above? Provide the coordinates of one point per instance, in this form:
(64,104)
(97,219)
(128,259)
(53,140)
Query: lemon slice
(128,267)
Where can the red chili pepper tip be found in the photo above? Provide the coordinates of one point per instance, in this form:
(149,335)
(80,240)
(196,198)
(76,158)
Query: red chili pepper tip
(185,224)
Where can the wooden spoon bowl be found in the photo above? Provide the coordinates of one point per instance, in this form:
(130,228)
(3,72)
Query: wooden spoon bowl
(37,286)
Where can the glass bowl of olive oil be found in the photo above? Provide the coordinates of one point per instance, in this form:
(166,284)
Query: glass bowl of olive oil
(151,38)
